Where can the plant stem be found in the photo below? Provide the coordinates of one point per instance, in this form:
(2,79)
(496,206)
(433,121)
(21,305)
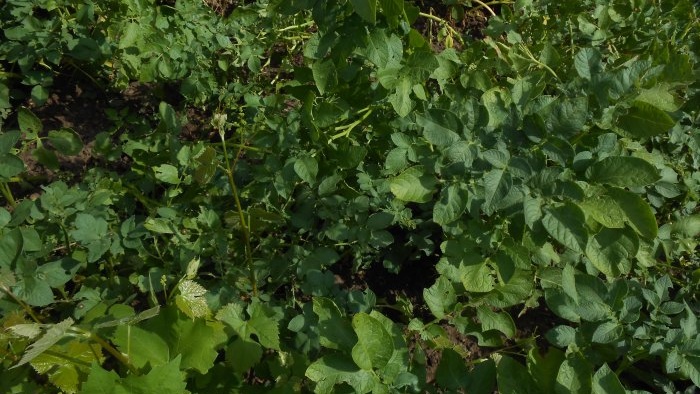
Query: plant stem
(241,216)
(444,23)
(8,194)
(21,303)
(482,4)
(109,348)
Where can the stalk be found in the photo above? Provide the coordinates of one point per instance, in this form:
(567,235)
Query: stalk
(7,193)
(241,215)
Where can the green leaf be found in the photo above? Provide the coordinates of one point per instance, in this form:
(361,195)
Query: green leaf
(440,127)
(142,347)
(334,330)
(687,227)
(607,332)
(514,378)
(324,74)
(8,139)
(374,345)
(401,98)
(532,209)
(611,251)
(588,62)
(412,186)
(450,206)
(568,282)
(167,173)
(606,382)
(11,244)
(168,118)
(382,50)
(67,364)
(306,167)
(544,369)
(623,171)
(500,321)
(561,336)
(440,297)
(196,340)
(161,379)
(366,9)
(191,299)
(566,224)
(497,185)
(47,158)
(574,376)
(264,325)
(604,210)
(66,141)
(10,165)
(690,367)
(644,120)
(477,278)
(54,334)
(334,369)
(638,213)
(243,355)
(452,372)
(29,123)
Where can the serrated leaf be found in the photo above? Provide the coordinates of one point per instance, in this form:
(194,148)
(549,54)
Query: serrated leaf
(644,120)
(638,213)
(623,171)
(374,346)
(167,173)
(191,299)
(196,340)
(66,365)
(54,334)
(264,325)
(66,141)
(566,224)
(28,330)
(450,206)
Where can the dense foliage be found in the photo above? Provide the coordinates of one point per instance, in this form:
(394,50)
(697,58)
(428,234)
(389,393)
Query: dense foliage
(549,163)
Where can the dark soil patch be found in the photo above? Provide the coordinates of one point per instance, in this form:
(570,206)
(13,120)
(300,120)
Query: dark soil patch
(469,22)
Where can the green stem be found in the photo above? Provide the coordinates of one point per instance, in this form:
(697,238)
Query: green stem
(347,129)
(8,194)
(482,4)
(241,216)
(110,349)
(444,23)
(21,303)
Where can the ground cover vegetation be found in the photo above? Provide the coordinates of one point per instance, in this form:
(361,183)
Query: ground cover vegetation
(349,196)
